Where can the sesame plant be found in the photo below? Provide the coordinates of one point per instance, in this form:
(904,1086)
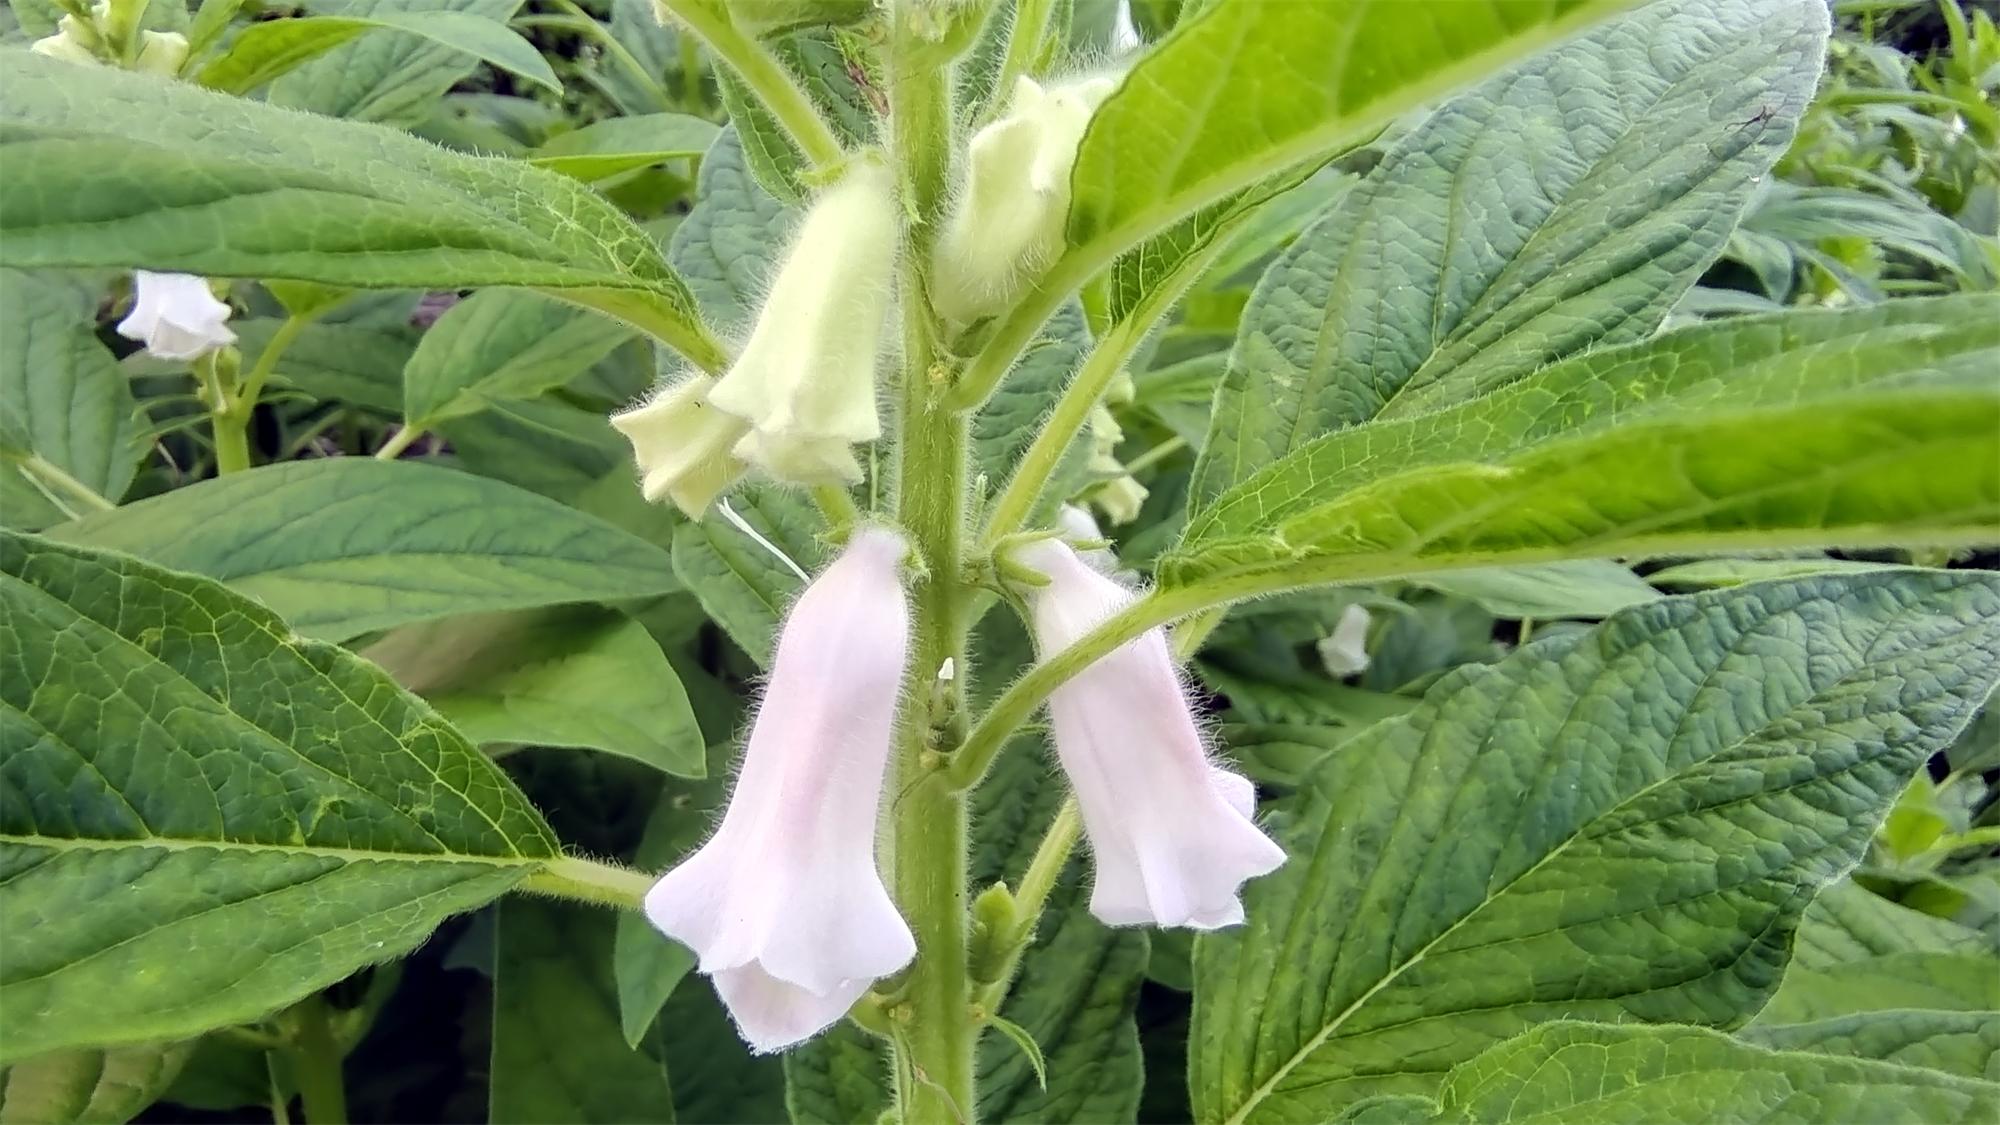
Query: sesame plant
(982,560)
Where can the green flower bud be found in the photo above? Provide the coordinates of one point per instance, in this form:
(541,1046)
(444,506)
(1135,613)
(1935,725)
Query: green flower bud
(1007,223)
(805,381)
(995,916)
(682,444)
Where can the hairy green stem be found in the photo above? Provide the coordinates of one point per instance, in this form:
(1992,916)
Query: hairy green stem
(1017,330)
(929,819)
(589,881)
(764,74)
(316,1057)
(73,497)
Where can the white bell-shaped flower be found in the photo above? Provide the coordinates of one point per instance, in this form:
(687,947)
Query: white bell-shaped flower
(1344,651)
(805,380)
(1171,833)
(784,905)
(1007,223)
(176,316)
(682,445)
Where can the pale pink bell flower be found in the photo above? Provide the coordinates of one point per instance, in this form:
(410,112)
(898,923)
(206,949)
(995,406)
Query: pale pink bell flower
(1171,833)
(784,906)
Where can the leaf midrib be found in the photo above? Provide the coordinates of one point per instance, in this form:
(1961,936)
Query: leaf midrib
(311,851)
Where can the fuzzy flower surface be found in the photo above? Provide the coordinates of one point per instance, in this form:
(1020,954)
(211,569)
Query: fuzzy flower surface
(784,905)
(1008,221)
(176,316)
(682,444)
(805,380)
(1170,832)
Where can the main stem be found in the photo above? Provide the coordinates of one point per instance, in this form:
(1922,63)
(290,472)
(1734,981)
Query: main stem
(938,1035)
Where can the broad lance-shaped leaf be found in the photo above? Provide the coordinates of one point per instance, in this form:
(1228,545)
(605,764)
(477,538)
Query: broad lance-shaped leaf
(1620,824)
(68,421)
(1570,1072)
(500,345)
(114,169)
(347,545)
(393,77)
(204,817)
(1877,425)
(266,50)
(1562,206)
(558,1054)
(621,144)
(730,243)
(1249,88)
(1873,979)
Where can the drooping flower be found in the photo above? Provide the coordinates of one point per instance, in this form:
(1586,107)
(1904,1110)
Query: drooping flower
(1344,651)
(1008,220)
(805,381)
(784,905)
(1171,833)
(176,316)
(1119,496)
(682,445)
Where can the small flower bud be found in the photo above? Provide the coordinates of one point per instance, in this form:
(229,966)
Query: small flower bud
(1007,223)
(682,445)
(162,52)
(995,916)
(784,905)
(1120,496)
(176,316)
(1171,833)
(805,381)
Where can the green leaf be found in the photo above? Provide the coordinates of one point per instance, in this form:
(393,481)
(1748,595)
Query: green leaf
(838,1077)
(738,581)
(1567,1072)
(1579,588)
(827,73)
(1709,574)
(578,676)
(345,546)
(717,1081)
(208,817)
(264,51)
(500,344)
(1562,206)
(85,1087)
(1201,118)
(1876,425)
(728,246)
(622,144)
(69,428)
(127,170)
(1009,421)
(1621,823)
(393,77)
(352,364)
(1964,1043)
(558,1054)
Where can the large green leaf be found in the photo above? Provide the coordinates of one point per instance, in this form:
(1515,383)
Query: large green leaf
(728,246)
(1873,979)
(67,417)
(500,345)
(1877,425)
(1571,1072)
(205,817)
(109,168)
(267,50)
(574,676)
(1619,824)
(344,546)
(621,144)
(558,1054)
(395,77)
(1564,205)
(88,1087)
(1250,88)
(741,584)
